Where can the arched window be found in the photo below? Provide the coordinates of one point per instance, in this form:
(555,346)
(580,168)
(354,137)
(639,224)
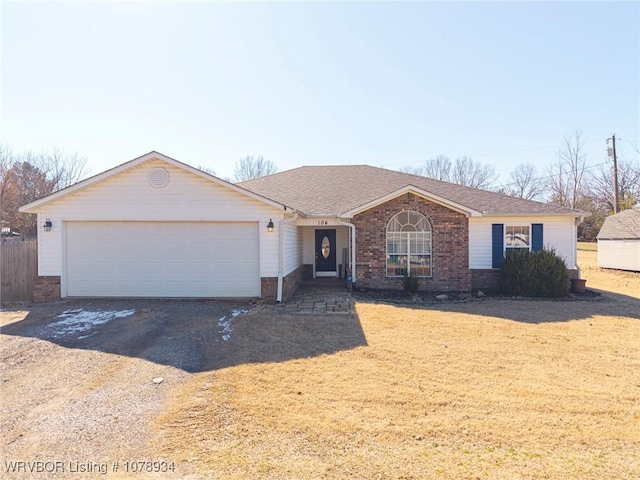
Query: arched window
(409,245)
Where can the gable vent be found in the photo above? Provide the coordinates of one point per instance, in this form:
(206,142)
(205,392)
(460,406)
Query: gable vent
(158,177)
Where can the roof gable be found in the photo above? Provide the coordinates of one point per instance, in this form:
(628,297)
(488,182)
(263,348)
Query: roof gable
(621,226)
(339,190)
(419,192)
(149,157)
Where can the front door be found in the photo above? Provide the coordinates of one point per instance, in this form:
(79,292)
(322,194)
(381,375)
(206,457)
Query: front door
(326,253)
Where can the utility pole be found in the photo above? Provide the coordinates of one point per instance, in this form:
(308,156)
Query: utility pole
(616,202)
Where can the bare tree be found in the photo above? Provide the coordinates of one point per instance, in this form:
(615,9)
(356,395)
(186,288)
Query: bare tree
(26,183)
(253,167)
(62,169)
(600,186)
(568,174)
(6,161)
(438,168)
(526,182)
(26,177)
(208,170)
(471,173)
(413,170)
(465,171)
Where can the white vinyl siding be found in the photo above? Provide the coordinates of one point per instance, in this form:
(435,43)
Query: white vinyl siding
(619,254)
(558,233)
(292,247)
(161,259)
(128,196)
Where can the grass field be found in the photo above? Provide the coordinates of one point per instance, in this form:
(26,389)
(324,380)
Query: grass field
(588,246)
(497,389)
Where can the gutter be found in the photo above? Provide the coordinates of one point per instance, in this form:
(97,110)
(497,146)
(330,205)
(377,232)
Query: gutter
(580,215)
(283,222)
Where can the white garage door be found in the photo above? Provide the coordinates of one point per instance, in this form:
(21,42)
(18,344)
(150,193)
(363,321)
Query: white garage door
(162,259)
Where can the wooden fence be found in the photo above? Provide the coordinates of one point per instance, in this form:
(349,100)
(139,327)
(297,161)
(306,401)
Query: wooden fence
(18,269)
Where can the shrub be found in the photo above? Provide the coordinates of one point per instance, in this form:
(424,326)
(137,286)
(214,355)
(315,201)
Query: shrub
(410,283)
(534,274)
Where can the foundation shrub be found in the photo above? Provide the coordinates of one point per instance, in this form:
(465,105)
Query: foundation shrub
(534,274)
(410,283)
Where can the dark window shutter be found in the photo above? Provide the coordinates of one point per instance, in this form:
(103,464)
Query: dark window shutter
(497,249)
(536,237)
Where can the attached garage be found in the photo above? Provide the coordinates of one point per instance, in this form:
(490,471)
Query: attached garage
(162,259)
(157,228)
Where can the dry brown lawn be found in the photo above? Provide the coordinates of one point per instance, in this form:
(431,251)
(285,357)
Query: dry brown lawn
(606,280)
(485,389)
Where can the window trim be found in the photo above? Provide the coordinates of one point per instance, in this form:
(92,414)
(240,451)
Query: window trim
(402,233)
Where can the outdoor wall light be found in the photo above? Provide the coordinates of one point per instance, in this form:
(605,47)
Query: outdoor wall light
(270,226)
(47,225)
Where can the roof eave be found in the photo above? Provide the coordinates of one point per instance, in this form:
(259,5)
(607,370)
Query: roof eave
(626,239)
(538,214)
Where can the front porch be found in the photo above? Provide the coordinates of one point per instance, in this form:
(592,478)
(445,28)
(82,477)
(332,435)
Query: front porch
(316,296)
(326,251)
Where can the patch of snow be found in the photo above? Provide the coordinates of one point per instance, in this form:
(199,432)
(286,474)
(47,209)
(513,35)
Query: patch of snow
(86,336)
(224,328)
(78,321)
(224,324)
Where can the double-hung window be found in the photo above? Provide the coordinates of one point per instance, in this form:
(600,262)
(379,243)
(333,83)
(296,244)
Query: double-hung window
(409,245)
(517,238)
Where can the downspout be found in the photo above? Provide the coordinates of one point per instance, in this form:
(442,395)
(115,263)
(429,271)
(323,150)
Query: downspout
(283,222)
(353,248)
(577,222)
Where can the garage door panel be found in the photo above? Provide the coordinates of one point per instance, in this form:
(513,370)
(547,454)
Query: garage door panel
(162,259)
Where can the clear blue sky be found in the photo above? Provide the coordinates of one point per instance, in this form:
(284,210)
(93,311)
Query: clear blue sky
(386,84)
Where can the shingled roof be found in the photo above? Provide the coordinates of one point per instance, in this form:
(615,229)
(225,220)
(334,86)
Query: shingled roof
(334,190)
(621,226)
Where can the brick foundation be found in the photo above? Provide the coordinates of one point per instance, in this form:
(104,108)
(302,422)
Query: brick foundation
(46,289)
(450,252)
(485,280)
(290,284)
(488,280)
(269,288)
(307,272)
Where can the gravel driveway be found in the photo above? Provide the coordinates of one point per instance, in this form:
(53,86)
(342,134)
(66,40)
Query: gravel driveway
(81,378)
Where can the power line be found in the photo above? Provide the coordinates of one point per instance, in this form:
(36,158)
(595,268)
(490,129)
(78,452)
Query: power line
(504,152)
(528,149)
(633,144)
(549,177)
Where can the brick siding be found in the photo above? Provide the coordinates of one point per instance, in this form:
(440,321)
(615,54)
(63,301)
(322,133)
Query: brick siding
(450,251)
(485,280)
(46,289)
(290,284)
(488,280)
(307,272)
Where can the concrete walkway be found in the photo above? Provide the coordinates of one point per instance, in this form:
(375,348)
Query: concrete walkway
(316,297)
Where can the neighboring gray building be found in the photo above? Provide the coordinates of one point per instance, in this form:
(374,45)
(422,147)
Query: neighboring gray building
(619,241)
